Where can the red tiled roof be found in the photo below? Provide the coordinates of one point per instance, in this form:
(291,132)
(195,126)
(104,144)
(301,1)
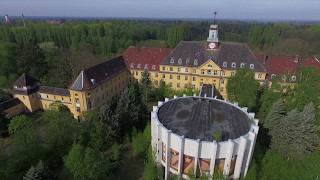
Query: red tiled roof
(146,58)
(277,64)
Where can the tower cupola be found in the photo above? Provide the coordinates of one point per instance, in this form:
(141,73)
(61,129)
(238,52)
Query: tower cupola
(213,39)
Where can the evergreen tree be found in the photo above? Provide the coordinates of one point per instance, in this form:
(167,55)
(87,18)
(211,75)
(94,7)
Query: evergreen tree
(39,172)
(276,113)
(146,84)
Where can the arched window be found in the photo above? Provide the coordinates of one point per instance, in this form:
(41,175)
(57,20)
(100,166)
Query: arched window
(251,66)
(225,64)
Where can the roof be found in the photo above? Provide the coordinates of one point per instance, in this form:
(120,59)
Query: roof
(207,90)
(277,64)
(200,118)
(25,80)
(98,74)
(53,90)
(9,104)
(195,54)
(145,58)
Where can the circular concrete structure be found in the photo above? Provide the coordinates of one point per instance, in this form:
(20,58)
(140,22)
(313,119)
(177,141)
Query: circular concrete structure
(184,133)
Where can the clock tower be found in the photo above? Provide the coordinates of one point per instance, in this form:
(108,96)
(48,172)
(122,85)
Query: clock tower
(213,40)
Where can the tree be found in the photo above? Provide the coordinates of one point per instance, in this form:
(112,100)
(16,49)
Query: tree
(3,123)
(146,84)
(242,88)
(87,163)
(7,58)
(39,172)
(50,51)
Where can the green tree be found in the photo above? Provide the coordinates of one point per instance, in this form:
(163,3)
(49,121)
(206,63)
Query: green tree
(3,123)
(50,51)
(146,84)
(87,163)
(7,58)
(242,88)
(39,172)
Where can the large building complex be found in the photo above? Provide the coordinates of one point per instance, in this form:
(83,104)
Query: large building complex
(190,63)
(183,134)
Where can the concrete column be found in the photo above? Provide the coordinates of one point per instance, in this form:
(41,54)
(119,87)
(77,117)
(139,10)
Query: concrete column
(160,103)
(159,148)
(252,138)
(166,99)
(175,97)
(240,155)
(184,95)
(213,157)
(168,156)
(227,162)
(196,158)
(181,152)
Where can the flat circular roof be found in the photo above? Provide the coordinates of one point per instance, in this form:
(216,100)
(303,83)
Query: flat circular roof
(200,118)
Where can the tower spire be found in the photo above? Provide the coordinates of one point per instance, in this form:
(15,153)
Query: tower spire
(214,17)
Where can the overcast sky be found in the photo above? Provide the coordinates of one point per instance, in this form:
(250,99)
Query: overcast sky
(227,9)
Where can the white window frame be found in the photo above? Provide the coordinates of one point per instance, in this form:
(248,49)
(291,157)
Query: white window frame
(251,66)
(233,65)
(225,64)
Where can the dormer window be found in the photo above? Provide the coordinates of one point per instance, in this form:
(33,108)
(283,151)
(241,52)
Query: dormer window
(139,66)
(233,64)
(251,66)
(195,62)
(242,65)
(153,67)
(284,78)
(172,60)
(146,66)
(179,61)
(187,61)
(293,78)
(272,76)
(225,64)
(132,65)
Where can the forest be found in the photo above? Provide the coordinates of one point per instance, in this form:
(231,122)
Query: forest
(51,145)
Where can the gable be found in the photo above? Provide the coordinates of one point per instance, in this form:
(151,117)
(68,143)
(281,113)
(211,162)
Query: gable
(210,65)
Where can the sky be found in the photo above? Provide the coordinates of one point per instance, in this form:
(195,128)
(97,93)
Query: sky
(227,9)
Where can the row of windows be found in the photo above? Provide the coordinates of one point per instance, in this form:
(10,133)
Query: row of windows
(195,61)
(234,65)
(209,72)
(284,78)
(146,66)
(193,85)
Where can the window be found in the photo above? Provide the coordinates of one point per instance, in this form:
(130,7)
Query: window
(102,97)
(215,72)
(136,75)
(193,86)
(242,65)
(209,65)
(209,72)
(139,66)
(193,78)
(47,97)
(202,71)
(78,109)
(233,64)
(185,85)
(23,97)
(76,94)
(221,89)
(172,60)
(170,76)
(141,73)
(62,98)
(156,75)
(54,97)
(222,81)
(186,78)
(156,82)
(170,84)
(178,77)
(163,76)
(272,76)
(163,68)
(188,61)
(284,78)
(153,67)
(146,66)
(171,68)
(179,69)
(232,73)
(77,100)
(187,70)
(195,62)
(251,66)
(195,71)
(132,65)
(179,61)
(225,64)
(178,84)
(223,73)
(259,76)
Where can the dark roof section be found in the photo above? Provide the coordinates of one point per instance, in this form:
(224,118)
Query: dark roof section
(9,104)
(98,74)
(277,64)
(187,52)
(207,90)
(25,80)
(200,118)
(54,91)
(145,58)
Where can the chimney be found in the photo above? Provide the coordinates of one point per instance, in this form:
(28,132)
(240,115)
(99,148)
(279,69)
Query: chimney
(296,59)
(265,58)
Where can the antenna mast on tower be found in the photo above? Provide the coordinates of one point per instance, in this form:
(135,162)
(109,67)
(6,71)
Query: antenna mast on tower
(214,14)
(24,23)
